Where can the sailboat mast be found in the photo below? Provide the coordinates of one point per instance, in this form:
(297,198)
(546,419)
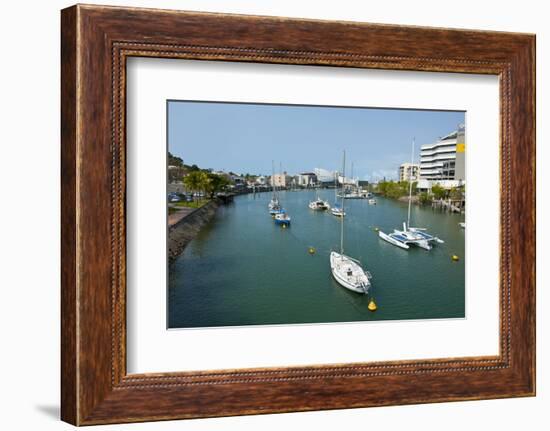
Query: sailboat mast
(342,217)
(272,180)
(411,170)
(336,187)
(281,174)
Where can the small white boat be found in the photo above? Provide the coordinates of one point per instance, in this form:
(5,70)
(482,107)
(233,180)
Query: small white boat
(372,201)
(319,205)
(352,195)
(349,273)
(337,211)
(462,224)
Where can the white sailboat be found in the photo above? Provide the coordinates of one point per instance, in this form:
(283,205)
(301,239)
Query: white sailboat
(346,270)
(279,214)
(336,210)
(274,206)
(410,235)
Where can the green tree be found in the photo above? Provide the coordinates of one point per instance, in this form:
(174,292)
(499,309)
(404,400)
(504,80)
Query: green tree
(196,181)
(455,193)
(174,160)
(438,191)
(424,198)
(216,183)
(395,190)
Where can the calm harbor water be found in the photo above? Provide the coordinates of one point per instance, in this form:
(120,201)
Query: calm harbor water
(242,269)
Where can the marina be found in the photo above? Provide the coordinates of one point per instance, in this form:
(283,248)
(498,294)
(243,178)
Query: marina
(291,234)
(243,268)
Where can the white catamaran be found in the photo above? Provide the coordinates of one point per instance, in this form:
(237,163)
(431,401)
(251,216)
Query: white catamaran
(410,235)
(346,270)
(319,204)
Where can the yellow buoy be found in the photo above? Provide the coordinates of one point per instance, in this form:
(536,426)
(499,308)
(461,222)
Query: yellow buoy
(455,258)
(311,250)
(372,305)
(284,226)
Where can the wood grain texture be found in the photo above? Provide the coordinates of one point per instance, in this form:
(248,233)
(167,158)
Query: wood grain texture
(69,397)
(96,41)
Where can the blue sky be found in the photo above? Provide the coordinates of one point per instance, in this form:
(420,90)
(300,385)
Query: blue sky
(245,138)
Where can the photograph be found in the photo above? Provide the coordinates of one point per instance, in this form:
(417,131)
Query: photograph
(283,214)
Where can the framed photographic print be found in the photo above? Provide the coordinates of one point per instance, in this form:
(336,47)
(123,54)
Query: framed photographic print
(269,215)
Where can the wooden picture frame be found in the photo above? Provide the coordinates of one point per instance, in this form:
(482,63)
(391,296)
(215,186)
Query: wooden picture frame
(95,43)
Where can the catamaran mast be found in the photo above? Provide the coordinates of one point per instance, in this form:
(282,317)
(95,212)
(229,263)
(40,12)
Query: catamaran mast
(342,216)
(410,185)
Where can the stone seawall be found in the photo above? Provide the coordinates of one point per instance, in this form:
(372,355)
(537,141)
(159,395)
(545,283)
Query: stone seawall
(182,232)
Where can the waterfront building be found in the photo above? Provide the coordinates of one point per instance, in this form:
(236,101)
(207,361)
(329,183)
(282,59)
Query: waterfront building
(280,180)
(324,176)
(261,180)
(438,160)
(460,162)
(408,171)
(444,162)
(238,180)
(347,181)
(307,179)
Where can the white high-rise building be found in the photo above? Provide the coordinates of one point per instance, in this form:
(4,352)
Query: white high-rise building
(437,160)
(408,171)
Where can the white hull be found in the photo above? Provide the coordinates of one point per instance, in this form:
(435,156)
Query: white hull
(389,239)
(348,273)
(282,218)
(410,236)
(338,212)
(319,205)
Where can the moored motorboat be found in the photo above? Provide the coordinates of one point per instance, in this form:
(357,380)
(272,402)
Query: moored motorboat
(337,211)
(282,218)
(319,205)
